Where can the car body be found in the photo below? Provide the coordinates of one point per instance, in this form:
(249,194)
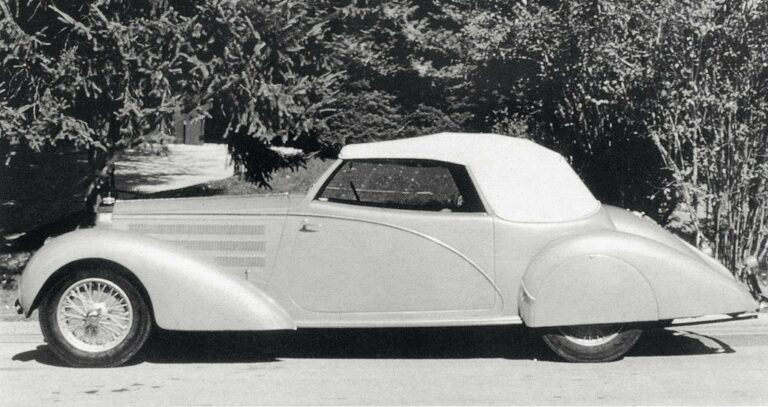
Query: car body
(442,230)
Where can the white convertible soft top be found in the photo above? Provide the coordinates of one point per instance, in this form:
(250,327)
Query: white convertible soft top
(521,180)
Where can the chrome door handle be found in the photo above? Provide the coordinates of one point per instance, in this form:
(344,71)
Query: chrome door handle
(309,227)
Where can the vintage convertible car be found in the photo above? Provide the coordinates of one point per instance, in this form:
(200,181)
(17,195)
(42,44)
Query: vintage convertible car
(441,230)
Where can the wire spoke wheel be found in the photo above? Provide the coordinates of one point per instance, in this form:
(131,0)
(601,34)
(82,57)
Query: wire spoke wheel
(94,315)
(591,343)
(95,318)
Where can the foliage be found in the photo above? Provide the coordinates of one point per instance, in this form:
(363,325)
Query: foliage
(709,119)
(97,76)
(100,75)
(636,87)
(660,106)
(12,264)
(37,189)
(386,93)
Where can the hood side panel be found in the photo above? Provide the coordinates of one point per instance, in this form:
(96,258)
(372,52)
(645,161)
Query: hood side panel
(239,234)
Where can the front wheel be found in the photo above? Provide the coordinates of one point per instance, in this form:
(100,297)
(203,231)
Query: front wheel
(95,318)
(591,343)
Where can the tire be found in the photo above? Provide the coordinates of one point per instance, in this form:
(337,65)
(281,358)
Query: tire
(591,343)
(95,318)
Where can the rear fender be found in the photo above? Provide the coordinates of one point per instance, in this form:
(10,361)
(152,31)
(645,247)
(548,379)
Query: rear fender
(187,293)
(608,276)
(587,289)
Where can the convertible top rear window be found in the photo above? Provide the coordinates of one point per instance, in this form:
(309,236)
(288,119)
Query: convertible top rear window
(424,185)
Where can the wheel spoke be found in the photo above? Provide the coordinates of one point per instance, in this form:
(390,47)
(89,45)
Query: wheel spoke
(75,323)
(119,316)
(94,315)
(112,323)
(115,330)
(74,308)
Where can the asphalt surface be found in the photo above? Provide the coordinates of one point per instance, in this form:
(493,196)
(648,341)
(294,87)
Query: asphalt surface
(723,364)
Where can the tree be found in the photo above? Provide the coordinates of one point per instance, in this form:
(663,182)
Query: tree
(709,119)
(101,75)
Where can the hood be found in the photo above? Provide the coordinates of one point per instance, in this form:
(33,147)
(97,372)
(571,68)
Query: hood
(219,205)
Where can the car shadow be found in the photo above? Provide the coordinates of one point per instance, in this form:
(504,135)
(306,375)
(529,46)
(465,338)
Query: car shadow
(171,347)
(41,354)
(409,343)
(516,343)
(677,342)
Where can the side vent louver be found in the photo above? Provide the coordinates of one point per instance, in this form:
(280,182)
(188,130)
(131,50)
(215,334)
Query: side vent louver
(182,229)
(225,243)
(235,245)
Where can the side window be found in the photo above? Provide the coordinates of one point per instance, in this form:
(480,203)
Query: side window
(403,184)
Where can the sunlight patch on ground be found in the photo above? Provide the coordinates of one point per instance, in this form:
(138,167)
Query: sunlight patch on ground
(177,167)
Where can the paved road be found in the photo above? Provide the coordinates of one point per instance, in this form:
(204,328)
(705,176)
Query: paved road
(705,364)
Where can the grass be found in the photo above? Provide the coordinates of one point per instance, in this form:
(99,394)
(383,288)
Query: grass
(298,181)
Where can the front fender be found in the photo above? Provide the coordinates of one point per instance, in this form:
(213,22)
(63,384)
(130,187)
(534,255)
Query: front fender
(608,276)
(186,292)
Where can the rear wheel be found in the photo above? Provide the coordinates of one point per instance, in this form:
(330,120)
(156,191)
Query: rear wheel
(591,343)
(95,318)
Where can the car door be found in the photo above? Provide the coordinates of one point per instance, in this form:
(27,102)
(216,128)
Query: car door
(386,238)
